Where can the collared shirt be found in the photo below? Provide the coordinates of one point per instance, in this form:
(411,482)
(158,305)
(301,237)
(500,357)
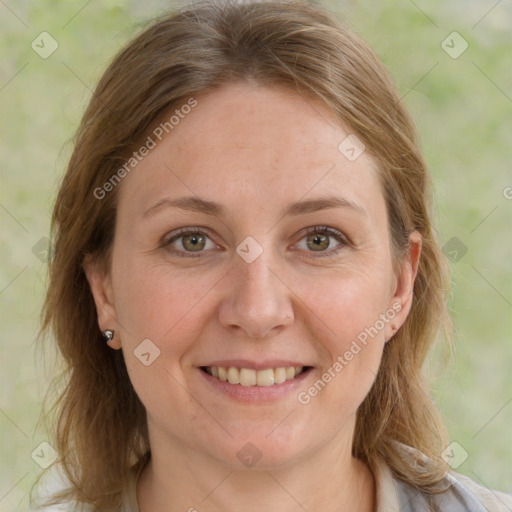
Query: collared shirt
(462,495)
(392,495)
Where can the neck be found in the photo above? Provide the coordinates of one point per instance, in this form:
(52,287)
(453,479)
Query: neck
(182,479)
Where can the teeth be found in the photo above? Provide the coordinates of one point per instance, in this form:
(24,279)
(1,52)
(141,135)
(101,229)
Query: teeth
(250,377)
(290,373)
(247,377)
(264,377)
(233,376)
(223,374)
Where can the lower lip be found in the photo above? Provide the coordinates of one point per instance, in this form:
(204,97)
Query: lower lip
(251,394)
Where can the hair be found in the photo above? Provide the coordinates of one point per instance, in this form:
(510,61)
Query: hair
(100,425)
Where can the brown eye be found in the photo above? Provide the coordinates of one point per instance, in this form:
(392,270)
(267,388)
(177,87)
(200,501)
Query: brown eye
(323,240)
(195,242)
(318,242)
(189,242)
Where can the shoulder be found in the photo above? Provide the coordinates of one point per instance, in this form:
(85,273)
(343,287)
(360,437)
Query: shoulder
(461,495)
(457,493)
(492,500)
(52,481)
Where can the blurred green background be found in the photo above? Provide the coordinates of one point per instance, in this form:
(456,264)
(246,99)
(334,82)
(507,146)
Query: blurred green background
(462,107)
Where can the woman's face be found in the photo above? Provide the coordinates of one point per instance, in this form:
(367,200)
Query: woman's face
(251,172)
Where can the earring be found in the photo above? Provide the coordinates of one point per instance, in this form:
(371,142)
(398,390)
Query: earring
(108,335)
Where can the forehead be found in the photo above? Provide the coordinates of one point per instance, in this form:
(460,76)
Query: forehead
(247,143)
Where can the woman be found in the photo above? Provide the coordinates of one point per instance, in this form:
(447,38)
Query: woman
(245,279)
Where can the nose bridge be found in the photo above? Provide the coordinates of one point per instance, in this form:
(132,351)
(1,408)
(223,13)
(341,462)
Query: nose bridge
(256,279)
(258,301)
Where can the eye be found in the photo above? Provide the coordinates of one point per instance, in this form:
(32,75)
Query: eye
(194,242)
(188,240)
(319,239)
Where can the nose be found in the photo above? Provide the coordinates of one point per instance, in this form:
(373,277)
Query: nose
(257,300)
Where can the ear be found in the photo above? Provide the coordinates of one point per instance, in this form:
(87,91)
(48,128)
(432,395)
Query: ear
(401,301)
(101,288)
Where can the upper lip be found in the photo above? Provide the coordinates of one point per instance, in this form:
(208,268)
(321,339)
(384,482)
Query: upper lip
(259,365)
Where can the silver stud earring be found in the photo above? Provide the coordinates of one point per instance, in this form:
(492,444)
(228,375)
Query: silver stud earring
(108,335)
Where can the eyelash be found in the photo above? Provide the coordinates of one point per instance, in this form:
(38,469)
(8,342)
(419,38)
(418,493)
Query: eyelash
(321,230)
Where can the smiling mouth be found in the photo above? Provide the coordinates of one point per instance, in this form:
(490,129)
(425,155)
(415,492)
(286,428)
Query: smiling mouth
(249,377)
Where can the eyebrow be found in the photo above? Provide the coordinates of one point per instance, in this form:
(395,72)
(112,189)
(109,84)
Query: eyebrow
(198,205)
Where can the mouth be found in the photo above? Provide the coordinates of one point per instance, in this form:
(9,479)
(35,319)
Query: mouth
(249,377)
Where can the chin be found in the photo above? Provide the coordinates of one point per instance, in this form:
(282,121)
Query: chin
(261,450)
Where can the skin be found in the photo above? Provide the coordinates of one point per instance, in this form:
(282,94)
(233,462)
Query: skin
(254,150)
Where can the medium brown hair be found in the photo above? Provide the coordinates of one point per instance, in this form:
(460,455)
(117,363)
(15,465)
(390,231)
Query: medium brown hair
(100,425)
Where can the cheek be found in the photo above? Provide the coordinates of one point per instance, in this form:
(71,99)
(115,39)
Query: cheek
(353,310)
(177,309)
(168,307)
(348,304)
(162,303)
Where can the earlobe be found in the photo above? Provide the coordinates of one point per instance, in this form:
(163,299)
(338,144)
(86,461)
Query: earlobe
(401,302)
(101,289)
